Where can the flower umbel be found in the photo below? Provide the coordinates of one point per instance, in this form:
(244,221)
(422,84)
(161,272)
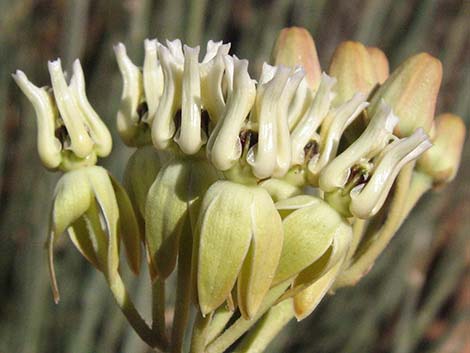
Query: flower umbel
(248,188)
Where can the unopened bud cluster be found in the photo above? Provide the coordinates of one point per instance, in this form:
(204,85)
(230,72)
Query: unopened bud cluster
(246,185)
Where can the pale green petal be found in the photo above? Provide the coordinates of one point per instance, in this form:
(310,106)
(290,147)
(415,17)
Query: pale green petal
(128,227)
(263,256)
(336,253)
(224,234)
(109,213)
(307,300)
(280,189)
(165,212)
(72,197)
(141,171)
(172,197)
(81,238)
(308,232)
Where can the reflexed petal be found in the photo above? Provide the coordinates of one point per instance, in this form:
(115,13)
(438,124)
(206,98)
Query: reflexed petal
(224,233)
(172,198)
(128,226)
(308,233)
(307,300)
(263,256)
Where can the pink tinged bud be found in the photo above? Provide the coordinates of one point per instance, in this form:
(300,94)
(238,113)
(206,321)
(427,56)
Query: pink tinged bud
(354,69)
(380,63)
(411,91)
(295,46)
(442,160)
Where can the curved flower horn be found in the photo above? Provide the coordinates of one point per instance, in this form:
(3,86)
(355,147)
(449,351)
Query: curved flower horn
(152,78)
(376,136)
(130,114)
(224,146)
(70,132)
(367,199)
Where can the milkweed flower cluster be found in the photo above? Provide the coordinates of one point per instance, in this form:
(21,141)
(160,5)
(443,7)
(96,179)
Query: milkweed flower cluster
(257,190)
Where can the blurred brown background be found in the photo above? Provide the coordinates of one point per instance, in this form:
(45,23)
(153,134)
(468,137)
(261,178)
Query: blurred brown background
(416,299)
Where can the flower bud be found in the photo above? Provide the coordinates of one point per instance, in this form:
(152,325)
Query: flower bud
(380,63)
(295,46)
(411,91)
(442,160)
(354,69)
(172,201)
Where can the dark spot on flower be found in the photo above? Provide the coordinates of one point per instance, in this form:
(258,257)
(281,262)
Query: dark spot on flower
(63,136)
(310,150)
(142,109)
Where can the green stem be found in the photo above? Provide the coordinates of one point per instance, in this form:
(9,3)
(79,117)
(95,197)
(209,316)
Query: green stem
(220,319)
(183,291)
(200,330)
(241,326)
(420,184)
(158,309)
(382,237)
(359,226)
(267,328)
(124,302)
